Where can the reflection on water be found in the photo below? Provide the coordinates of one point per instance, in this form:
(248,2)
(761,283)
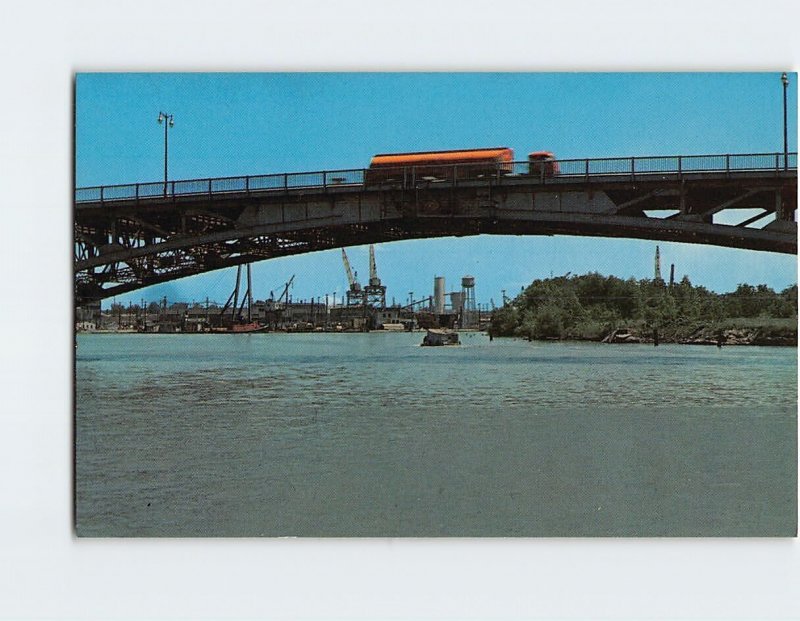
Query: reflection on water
(372,435)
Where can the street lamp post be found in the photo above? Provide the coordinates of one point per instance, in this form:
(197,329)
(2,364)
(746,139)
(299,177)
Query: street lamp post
(167,119)
(785,80)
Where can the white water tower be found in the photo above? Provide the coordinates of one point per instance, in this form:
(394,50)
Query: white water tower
(469,316)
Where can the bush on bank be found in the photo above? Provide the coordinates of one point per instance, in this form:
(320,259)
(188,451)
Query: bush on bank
(593,306)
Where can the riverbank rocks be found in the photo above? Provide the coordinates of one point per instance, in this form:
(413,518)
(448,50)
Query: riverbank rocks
(622,336)
(707,335)
(740,336)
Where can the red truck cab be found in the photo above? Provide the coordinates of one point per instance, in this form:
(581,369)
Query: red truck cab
(540,162)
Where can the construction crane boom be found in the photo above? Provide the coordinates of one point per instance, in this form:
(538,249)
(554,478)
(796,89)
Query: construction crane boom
(354,286)
(374,281)
(286,290)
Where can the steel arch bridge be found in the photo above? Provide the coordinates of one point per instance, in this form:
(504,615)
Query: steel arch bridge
(132,236)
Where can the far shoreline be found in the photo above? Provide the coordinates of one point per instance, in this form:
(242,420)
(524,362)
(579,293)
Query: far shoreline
(752,342)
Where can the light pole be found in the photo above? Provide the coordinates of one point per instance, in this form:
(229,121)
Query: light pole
(167,119)
(785,80)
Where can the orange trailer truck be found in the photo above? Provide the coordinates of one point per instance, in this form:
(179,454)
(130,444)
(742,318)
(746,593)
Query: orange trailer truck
(439,165)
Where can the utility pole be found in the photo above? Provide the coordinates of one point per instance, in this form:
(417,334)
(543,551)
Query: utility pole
(785,80)
(657,275)
(167,119)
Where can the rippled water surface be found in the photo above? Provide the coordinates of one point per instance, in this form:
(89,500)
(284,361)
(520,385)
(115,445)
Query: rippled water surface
(372,435)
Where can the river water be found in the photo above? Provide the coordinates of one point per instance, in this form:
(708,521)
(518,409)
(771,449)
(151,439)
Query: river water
(372,435)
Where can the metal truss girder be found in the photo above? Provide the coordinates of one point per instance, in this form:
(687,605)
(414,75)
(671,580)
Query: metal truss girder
(144,224)
(232,235)
(194,213)
(756,218)
(545,223)
(730,203)
(658,192)
(271,227)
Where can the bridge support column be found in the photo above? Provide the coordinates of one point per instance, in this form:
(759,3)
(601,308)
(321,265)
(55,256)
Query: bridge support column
(779,214)
(785,205)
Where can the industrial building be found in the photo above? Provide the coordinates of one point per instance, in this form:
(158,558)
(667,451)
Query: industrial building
(461,311)
(362,308)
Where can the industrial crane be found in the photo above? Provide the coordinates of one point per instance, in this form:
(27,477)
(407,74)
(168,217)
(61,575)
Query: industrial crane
(354,286)
(234,297)
(285,293)
(354,294)
(374,281)
(275,308)
(375,291)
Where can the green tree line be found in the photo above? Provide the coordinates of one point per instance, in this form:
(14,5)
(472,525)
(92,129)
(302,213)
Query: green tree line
(592,306)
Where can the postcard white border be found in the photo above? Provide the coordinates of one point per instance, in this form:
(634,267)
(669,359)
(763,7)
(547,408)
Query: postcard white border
(46,572)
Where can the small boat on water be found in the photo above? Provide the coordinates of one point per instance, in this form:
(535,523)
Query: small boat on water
(438,337)
(240,328)
(253,326)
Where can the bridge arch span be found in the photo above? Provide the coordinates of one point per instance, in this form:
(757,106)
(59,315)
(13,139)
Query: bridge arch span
(123,244)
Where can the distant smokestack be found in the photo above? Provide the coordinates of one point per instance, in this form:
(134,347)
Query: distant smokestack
(671,274)
(658,265)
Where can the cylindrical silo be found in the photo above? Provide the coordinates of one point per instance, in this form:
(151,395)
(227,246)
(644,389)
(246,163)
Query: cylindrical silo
(438,295)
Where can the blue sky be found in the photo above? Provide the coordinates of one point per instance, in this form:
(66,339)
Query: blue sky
(235,124)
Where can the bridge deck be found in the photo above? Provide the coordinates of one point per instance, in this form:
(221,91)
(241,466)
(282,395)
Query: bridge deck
(602,170)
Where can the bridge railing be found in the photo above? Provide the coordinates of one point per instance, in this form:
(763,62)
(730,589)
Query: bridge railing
(415,176)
